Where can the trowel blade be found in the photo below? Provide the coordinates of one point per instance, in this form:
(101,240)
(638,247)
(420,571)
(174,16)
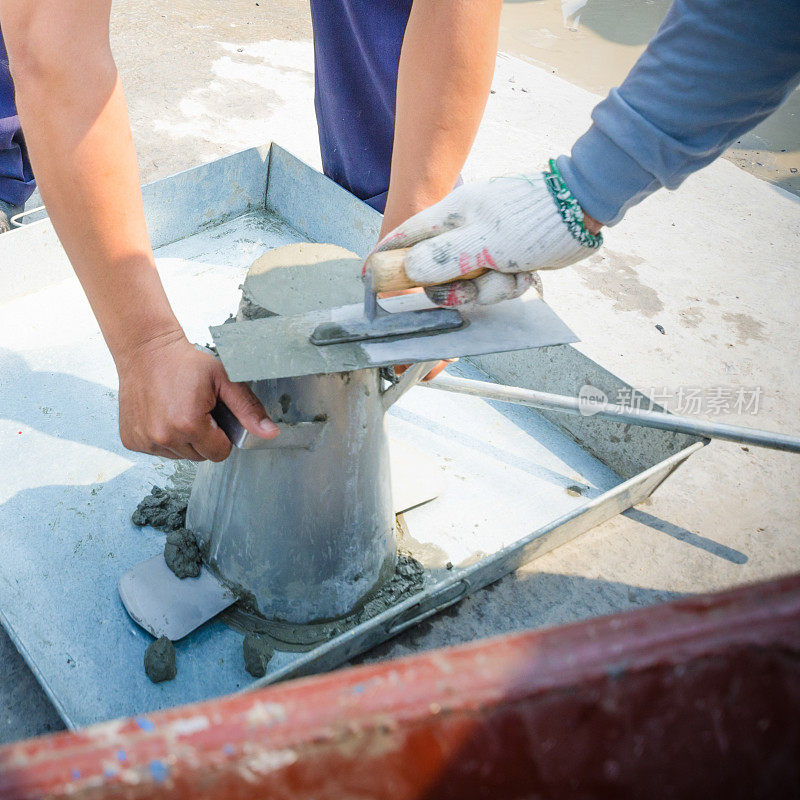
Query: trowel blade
(166,605)
(279,347)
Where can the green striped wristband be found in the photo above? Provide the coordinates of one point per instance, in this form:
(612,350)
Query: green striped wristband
(569,208)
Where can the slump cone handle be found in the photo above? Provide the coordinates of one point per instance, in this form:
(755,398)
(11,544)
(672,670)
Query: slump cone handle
(389,275)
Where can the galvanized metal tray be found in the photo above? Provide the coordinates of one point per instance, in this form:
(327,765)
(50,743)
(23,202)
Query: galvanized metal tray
(517,483)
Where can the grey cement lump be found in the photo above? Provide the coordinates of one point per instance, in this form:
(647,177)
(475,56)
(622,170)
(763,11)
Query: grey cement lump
(161,509)
(182,553)
(257,653)
(159,660)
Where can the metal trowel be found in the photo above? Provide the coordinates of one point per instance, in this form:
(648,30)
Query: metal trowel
(397,330)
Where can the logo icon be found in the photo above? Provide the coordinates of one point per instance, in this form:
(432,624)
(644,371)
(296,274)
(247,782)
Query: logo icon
(591,400)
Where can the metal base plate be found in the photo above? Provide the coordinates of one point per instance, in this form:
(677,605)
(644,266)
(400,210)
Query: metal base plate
(68,487)
(416,477)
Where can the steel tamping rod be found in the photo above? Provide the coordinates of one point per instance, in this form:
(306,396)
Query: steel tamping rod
(617,413)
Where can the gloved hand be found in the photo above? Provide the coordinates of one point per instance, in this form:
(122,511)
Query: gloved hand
(512,226)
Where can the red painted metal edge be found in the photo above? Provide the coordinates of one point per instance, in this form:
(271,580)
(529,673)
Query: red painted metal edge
(697,698)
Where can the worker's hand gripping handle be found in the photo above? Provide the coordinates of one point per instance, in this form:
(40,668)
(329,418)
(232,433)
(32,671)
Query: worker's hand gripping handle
(389,274)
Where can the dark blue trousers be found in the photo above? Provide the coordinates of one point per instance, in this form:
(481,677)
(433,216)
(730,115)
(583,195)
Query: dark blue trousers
(16,176)
(357,50)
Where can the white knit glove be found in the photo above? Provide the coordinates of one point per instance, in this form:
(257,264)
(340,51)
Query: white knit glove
(513,226)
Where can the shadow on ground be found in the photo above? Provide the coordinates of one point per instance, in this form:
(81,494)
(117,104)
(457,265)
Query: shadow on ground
(26,709)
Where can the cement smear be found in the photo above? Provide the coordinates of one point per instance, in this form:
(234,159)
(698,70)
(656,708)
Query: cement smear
(165,507)
(159,660)
(182,553)
(301,277)
(257,651)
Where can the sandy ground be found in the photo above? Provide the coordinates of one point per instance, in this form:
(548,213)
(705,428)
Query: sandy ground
(713,264)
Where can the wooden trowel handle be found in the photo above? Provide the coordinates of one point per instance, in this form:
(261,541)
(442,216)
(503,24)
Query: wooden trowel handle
(389,274)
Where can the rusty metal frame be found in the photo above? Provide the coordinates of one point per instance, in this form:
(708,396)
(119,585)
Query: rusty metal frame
(695,698)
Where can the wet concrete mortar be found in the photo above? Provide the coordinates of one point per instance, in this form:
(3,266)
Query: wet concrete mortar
(165,507)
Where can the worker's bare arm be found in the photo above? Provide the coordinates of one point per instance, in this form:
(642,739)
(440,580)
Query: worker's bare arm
(76,126)
(443,81)
(73,112)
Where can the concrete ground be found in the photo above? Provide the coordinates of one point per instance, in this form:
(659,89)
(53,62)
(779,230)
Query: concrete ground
(714,265)
(594,43)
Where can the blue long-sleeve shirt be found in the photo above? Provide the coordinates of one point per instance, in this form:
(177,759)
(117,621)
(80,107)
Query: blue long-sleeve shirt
(714,70)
